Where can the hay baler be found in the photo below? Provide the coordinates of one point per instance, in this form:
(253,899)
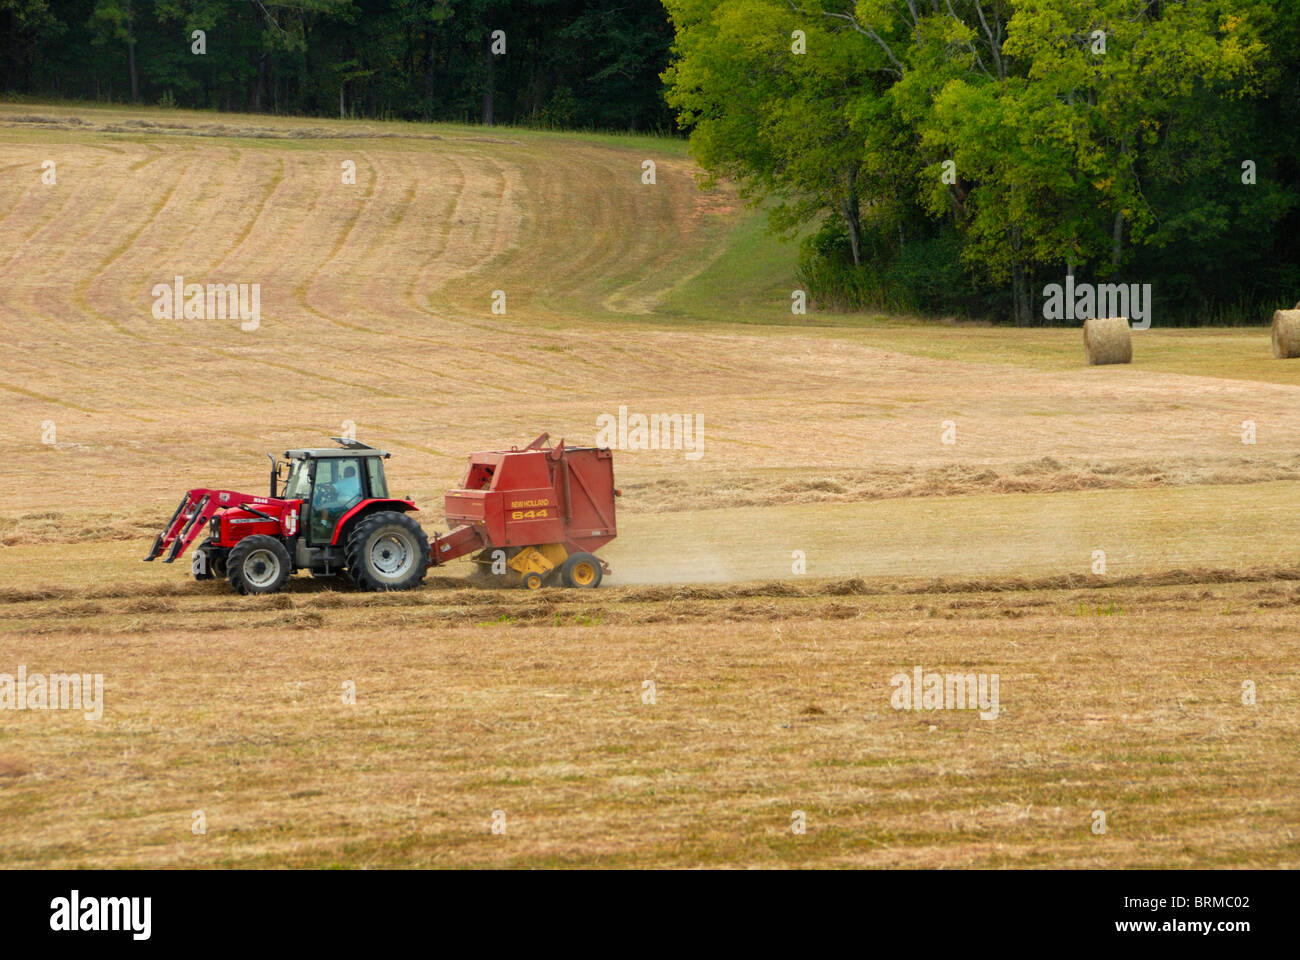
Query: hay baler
(536,514)
(532,515)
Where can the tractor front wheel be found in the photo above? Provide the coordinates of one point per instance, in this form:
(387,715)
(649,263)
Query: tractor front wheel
(209,562)
(201,564)
(581,570)
(387,551)
(258,564)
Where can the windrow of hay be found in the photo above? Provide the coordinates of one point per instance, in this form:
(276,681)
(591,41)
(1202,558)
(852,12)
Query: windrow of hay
(839,600)
(891,482)
(299,607)
(1107,340)
(1286,333)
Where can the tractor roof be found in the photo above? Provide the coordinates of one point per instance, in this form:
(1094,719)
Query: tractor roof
(330,452)
(348,447)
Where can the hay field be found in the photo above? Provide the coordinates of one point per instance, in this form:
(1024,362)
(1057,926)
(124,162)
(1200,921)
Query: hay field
(822,434)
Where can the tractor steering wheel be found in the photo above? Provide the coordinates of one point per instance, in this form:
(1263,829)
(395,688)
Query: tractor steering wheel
(324,493)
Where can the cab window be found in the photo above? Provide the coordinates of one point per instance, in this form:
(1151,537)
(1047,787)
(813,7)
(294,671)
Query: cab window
(298,486)
(375,468)
(337,490)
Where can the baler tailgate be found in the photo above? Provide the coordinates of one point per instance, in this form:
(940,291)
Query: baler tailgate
(589,503)
(588,479)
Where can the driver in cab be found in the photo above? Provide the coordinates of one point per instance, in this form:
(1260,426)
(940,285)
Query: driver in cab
(332,500)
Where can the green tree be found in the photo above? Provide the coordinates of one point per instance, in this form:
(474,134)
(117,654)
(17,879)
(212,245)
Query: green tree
(775,110)
(115,20)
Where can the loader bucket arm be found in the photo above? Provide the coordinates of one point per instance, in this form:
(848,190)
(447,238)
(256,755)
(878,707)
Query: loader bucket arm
(191,518)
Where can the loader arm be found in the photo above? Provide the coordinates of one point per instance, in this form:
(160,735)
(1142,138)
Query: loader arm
(197,507)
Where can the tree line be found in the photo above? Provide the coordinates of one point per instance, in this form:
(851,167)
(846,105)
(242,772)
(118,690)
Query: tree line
(957,156)
(936,156)
(561,63)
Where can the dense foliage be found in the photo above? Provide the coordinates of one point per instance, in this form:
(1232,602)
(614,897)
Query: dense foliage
(955,156)
(567,63)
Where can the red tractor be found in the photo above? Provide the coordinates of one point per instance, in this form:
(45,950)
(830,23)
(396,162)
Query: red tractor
(333,516)
(533,515)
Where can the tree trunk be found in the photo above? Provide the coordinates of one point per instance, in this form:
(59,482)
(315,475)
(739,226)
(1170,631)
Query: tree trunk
(342,84)
(428,73)
(852,218)
(1117,231)
(488,91)
(130,57)
(11,68)
(1021,311)
(1020,306)
(261,82)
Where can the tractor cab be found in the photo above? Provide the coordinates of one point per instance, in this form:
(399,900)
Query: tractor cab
(328,512)
(330,482)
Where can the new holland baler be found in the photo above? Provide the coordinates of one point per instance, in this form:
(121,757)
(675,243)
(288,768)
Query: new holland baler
(538,513)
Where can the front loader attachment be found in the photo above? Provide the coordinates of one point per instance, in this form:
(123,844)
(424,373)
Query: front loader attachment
(160,541)
(190,519)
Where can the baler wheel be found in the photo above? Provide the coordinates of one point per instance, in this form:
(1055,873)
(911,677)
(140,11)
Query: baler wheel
(581,570)
(258,564)
(532,581)
(387,551)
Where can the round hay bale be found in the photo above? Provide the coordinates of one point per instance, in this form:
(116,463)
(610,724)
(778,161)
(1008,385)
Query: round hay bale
(1286,334)
(1107,340)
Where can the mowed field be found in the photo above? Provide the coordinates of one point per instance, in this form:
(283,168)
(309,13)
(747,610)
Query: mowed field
(823,450)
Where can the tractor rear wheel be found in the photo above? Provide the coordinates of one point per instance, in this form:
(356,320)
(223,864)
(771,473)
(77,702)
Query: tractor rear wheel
(581,570)
(387,551)
(258,564)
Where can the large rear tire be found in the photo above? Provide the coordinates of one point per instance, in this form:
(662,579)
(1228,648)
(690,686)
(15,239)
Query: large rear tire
(387,551)
(258,564)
